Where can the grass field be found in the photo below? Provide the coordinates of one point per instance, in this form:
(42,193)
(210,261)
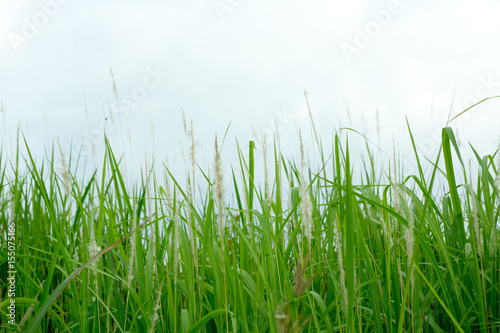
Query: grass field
(306,250)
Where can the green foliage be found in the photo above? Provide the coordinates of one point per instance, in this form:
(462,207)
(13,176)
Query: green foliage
(398,256)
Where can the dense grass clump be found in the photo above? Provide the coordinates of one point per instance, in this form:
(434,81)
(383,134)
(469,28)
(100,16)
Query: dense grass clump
(305,251)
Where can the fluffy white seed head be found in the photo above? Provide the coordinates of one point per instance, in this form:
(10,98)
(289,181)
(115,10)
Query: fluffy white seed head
(92,246)
(497,179)
(93,249)
(65,172)
(132,248)
(305,201)
(219,184)
(476,220)
(154,318)
(338,245)
(497,182)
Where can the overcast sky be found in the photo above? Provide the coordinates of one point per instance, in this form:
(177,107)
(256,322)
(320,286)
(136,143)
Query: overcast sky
(246,63)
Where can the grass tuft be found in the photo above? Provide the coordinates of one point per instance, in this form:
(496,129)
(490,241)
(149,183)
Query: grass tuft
(312,249)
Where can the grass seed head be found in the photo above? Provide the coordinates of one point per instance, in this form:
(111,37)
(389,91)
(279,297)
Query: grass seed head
(132,247)
(497,178)
(65,172)
(219,184)
(93,249)
(305,201)
(92,246)
(497,182)
(154,317)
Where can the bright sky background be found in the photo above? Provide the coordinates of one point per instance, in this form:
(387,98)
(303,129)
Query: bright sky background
(246,63)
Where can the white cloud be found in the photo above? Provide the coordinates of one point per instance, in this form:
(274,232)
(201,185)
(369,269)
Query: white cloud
(258,58)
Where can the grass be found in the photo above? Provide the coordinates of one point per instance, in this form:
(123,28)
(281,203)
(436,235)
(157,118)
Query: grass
(308,251)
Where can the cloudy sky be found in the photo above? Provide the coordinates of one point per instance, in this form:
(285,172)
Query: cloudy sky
(245,64)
